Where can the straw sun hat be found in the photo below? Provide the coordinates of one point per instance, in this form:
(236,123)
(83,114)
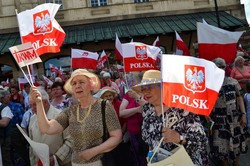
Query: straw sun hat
(150,77)
(104,90)
(95,82)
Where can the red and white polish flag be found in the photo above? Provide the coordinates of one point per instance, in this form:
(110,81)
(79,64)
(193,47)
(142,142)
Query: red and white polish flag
(22,81)
(157,42)
(39,27)
(215,42)
(139,56)
(181,47)
(47,80)
(84,59)
(190,83)
(53,68)
(103,58)
(118,48)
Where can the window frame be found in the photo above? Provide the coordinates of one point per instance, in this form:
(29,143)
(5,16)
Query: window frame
(98,3)
(56,2)
(141,1)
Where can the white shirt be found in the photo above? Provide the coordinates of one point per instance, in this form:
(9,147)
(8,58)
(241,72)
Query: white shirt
(6,112)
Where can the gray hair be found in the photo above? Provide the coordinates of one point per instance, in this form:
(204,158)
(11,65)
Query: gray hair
(43,92)
(219,62)
(237,59)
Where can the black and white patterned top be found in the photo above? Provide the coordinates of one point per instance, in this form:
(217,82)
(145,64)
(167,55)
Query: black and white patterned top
(188,125)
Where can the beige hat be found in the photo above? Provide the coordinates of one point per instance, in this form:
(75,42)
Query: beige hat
(104,90)
(93,79)
(149,77)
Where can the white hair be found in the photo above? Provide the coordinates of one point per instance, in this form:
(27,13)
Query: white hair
(237,59)
(43,92)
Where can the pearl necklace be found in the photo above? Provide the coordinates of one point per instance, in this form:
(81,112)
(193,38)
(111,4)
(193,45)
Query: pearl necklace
(78,114)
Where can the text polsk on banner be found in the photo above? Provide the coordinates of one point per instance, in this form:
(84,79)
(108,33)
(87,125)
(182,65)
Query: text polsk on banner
(139,56)
(24,54)
(215,42)
(190,83)
(84,59)
(39,27)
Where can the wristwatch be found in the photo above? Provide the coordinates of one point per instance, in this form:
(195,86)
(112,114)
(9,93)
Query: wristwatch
(181,139)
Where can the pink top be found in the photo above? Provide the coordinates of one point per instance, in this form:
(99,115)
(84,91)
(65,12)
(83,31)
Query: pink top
(134,121)
(241,75)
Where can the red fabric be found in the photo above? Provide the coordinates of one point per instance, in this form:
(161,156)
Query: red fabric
(116,104)
(197,103)
(183,47)
(39,163)
(118,55)
(134,121)
(17,99)
(86,63)
(132,64)
(212,51)
(49,42)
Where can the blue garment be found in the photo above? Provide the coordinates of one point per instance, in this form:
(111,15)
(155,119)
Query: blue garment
(18,111)
(247,102)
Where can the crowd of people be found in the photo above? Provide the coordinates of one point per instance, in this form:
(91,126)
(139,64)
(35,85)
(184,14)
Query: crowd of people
(68,117)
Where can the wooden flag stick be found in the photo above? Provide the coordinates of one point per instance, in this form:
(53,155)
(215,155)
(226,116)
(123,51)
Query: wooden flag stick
(26,76)
(30,75)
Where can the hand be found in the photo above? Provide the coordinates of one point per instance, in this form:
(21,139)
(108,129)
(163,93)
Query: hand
(87,154)
(35,95)
(243,120)
(51,160)
(133,94)
(170,136)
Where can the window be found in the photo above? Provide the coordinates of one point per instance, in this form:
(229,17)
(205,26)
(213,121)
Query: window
(96,3)
(55,1)
(61,62)
(139,1)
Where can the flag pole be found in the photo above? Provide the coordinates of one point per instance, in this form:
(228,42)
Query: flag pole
(25,76)
(164,120)
(31,83)
(30,75)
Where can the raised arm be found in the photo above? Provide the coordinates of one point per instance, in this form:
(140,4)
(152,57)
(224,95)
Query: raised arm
(46,126)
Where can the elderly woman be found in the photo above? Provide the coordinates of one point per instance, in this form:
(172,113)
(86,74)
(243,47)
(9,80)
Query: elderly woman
(187,131)
(228,134)
(59,100)
(84,119)
(240,72)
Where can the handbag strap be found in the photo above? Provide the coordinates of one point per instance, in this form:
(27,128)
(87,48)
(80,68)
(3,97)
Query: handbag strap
(103,105)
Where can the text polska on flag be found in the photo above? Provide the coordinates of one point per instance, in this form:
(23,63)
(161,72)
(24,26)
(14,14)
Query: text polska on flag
(139,56)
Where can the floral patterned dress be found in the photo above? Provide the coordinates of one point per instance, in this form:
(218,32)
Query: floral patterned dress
(188,125)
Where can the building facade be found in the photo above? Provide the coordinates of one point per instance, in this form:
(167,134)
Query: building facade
(92,24)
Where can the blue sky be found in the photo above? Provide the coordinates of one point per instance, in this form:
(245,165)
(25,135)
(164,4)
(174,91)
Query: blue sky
(247,9)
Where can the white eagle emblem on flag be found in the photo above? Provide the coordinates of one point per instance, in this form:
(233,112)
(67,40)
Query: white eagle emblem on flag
(195,78)
(42,23)
(141,52)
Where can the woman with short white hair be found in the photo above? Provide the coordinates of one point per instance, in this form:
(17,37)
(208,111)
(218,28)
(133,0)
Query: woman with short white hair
(240,72)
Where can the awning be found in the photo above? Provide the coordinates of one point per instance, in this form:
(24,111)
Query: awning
(133,27)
